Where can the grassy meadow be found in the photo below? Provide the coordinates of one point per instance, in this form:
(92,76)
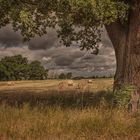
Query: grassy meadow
(38,110)
(49,85)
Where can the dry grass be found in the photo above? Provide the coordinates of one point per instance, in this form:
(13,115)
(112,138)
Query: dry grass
(67,124)
(37,86)
(38,111)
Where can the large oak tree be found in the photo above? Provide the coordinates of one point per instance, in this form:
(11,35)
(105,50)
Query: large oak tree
(81,22)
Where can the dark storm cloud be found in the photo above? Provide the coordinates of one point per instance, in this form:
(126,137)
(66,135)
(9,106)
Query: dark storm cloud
(44,42)
(64,61)
(58,58)
(62,56)
(9,38)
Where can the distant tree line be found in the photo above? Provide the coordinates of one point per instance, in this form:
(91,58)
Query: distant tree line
(70,76)
(93,77)
(65,75)
(56,75)
(19,68)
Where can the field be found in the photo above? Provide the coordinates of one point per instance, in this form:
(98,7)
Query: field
(38,110)
(49,85)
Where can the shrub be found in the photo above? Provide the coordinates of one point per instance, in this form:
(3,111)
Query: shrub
(123,96)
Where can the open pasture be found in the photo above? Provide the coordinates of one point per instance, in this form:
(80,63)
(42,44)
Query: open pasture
(49,85)
(64,93)
(38,110)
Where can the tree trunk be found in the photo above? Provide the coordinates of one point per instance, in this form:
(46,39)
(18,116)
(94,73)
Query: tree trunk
(126,43)
(117,34)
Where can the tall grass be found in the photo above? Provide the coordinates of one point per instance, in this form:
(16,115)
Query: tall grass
(51,115)
(55,123)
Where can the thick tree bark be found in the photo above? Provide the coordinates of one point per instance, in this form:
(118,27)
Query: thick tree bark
(117,34)
(126,43)
(132,53)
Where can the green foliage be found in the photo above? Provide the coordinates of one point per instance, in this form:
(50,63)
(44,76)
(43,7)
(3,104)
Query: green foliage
(77,21)
(69,75)
(65,75)
(62,76)
(122,97)
(4,73)
(18,68)
(37,71)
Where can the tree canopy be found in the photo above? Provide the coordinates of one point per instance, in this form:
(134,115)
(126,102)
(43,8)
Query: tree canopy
(18,68)
(76,21)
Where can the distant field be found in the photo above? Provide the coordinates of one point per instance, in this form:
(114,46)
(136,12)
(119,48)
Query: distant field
(37,110)
(48,93)
(48,85)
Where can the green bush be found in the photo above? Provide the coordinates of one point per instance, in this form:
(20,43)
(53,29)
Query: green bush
(122,97)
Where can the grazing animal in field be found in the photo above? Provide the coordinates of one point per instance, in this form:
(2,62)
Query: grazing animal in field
(90,81)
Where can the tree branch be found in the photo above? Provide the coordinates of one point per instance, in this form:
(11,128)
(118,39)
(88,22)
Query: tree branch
(116,32)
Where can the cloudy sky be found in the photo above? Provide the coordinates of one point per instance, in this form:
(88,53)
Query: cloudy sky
(57,58)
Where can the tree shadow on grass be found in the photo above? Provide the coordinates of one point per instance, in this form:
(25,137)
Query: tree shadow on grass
(64,99)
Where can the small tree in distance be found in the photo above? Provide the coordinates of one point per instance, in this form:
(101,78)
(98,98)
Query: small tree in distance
(62,76)
(37,71)
(69,75)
